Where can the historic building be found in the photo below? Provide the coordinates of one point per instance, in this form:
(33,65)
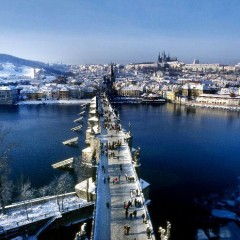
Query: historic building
(130,91)
(163,58)
(162,62)
(108,83)
(8,95)
(193,90)
(217,99)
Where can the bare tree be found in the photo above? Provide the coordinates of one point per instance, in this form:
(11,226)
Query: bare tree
(43,191)
(26,194)
(5,184)
(61,185)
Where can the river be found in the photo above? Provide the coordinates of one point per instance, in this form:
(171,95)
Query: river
(186,152)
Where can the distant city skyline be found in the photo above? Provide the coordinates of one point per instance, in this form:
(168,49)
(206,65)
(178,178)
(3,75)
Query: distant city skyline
(101,31)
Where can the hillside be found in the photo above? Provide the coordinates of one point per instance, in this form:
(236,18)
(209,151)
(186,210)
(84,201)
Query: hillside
(15,66)
(5,58)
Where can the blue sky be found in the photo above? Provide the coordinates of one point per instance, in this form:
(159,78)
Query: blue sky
(122,31)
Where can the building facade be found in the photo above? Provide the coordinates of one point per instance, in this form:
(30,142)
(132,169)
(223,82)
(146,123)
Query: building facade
(8,95)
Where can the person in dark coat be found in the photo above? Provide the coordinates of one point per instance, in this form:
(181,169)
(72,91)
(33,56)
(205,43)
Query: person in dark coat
(135,213)
(126,213)
(128,229)
(148,231)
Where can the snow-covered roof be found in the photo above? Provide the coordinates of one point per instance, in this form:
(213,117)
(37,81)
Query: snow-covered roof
(7,88)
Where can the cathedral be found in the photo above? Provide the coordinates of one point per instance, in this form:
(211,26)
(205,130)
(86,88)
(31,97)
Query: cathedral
(164,58)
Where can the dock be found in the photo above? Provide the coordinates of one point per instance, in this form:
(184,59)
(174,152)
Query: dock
(71,142)
(68,163)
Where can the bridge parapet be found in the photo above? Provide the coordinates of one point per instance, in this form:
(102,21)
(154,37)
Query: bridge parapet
(120,207)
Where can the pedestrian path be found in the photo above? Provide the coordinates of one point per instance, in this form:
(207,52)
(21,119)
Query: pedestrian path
(121,212)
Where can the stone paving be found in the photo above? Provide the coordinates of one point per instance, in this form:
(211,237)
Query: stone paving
(111,216)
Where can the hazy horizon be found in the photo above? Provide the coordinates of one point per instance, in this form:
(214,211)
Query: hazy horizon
(94,32)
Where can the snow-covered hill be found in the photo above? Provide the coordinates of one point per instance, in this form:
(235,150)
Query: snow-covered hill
(11,66)
(9,69)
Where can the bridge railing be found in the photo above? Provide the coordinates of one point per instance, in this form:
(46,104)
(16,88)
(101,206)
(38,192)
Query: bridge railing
(39,209)
(142,195)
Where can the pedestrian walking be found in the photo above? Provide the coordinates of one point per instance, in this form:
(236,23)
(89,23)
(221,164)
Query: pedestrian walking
(143,217)
(137,192)
(126,213)
(148,231)
(125,229)
(104,180)
(135,213)
(107,204)
(120,167)
(108,178)
(135,202)
(128,229)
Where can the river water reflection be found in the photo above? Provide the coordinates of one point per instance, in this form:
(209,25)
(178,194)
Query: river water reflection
(185,152)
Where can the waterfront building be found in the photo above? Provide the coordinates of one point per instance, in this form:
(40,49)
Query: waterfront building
(217,99)
(28,92)
(170,95)
(8,95)
(75,92)
(193,90)
(63,93)
(130,91)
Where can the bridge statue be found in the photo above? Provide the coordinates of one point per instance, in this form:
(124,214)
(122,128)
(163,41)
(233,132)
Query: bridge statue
(82,234)
(137,156)
(165,234)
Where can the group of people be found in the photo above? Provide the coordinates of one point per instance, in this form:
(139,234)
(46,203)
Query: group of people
(112,123)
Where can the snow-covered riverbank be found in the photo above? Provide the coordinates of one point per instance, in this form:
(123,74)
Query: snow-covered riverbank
(73,101)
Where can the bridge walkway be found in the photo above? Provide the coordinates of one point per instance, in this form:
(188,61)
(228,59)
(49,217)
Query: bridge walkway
(117,165)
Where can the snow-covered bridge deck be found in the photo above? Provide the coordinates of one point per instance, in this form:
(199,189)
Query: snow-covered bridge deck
(116,164)
(20,214)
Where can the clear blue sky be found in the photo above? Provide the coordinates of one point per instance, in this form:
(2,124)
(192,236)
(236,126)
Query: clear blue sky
(123,31)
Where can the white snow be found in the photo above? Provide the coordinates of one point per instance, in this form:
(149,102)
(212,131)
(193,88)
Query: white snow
(9,69)
(54,102)
(39,209)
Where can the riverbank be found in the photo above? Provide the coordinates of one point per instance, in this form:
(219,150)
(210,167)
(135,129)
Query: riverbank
(212,106)
(72,101)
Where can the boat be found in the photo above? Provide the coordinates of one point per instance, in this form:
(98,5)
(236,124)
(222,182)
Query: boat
(153,98)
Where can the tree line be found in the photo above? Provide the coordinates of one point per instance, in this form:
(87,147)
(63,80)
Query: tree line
(24,191)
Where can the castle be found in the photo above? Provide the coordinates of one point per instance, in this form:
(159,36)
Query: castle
(164,58)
